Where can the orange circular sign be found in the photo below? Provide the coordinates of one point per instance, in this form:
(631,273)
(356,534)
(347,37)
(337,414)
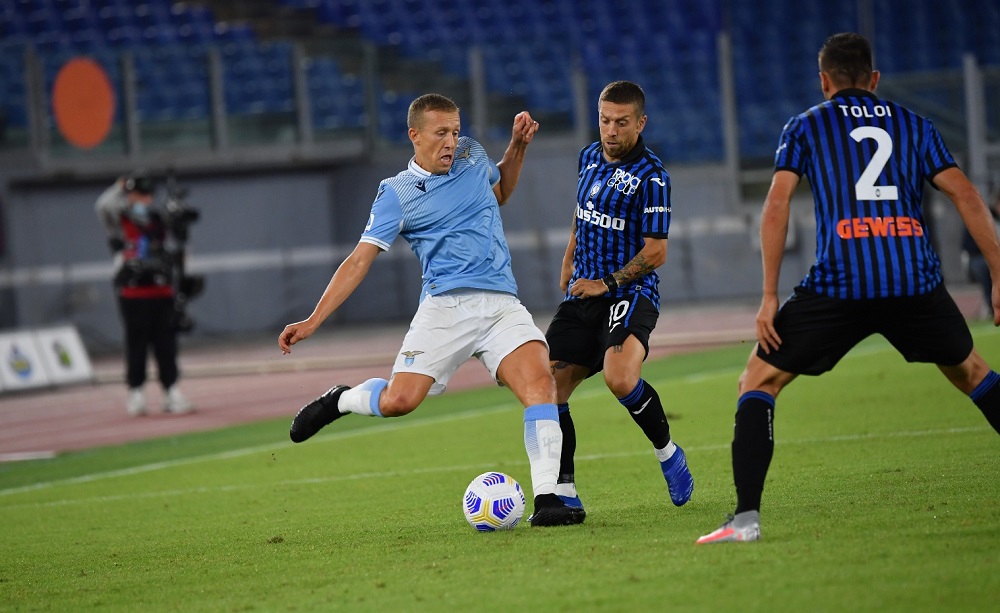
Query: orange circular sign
(83,102)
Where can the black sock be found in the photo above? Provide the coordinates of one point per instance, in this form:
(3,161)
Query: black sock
(753,446)
(987,398)
(567,467)
(643,404)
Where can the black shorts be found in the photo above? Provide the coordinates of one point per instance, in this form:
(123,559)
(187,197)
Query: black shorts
(816,330)
(582,330)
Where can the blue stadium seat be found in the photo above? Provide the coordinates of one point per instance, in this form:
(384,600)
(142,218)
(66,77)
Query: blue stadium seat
(13,86)
(343,13)
(670,51)
(338,99)
(393,106)
(257,77)
(233,31)
(194,23)
(43,19)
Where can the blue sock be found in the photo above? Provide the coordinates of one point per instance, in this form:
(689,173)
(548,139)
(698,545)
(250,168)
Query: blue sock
(363,399)
(987,398)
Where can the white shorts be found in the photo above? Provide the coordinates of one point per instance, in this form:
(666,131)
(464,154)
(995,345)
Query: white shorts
(450,328)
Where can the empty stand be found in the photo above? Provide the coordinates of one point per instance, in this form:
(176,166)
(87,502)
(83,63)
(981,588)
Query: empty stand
(530,48)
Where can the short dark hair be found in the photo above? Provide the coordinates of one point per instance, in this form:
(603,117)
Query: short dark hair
(624,92)
(140,182)
(425,103)
(847,58)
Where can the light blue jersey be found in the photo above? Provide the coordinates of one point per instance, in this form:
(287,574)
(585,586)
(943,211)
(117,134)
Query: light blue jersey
(451,221)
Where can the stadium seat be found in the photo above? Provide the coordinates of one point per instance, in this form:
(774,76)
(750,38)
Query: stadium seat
(393,106)
(343,13)
(233,31)
(530,47)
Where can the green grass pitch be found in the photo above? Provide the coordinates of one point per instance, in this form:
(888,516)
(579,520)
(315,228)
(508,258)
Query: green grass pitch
(882,496)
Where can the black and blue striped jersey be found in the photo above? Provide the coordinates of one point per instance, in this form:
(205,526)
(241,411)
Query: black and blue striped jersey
(617,205)
(866,160)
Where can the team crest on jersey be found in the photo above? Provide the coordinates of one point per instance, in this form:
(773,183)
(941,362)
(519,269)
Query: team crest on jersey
(466,155)
(596,188)
(410,356)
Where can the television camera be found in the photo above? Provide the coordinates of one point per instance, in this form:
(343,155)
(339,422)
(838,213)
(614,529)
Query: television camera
(179,216)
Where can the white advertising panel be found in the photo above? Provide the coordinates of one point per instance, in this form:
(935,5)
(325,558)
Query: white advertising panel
(63,355)
(20,362)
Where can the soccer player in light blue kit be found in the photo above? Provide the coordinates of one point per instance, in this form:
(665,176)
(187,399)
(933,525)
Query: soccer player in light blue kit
(446,206)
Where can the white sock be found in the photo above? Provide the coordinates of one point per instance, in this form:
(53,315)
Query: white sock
(666,453)
(363,399)
(566,489)
(543,442)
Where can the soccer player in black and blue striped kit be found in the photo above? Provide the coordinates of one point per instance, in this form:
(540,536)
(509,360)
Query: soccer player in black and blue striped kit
(619,238)
(875,272)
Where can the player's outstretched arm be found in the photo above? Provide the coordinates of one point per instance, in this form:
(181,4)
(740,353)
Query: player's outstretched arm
(348,277)
(978,219)
(513,159)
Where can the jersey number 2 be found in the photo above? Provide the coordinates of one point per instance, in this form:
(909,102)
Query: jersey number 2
(865,188)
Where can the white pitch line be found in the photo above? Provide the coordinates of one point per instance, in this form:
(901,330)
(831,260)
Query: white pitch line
(24,456)
(459,467)
(375,428)
(237,453)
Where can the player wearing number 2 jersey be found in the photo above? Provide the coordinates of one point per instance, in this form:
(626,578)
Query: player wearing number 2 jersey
(870,233)
(619,238)
(875,272)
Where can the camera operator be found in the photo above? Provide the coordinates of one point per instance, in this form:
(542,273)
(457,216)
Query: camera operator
(144,282)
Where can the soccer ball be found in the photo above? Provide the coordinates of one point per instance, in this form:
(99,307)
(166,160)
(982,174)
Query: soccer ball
(493,501)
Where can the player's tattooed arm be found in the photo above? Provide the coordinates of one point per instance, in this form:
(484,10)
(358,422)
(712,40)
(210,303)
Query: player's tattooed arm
(637,267)
(652,255)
